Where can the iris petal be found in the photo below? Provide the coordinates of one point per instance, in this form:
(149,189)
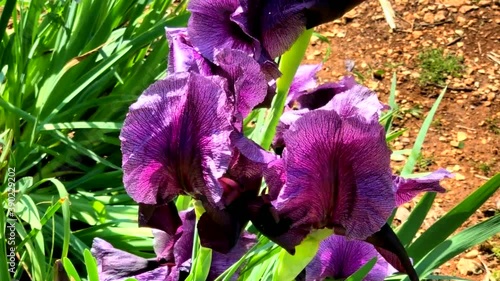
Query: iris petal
(244,76)
(337,173)
(407,189)
(175,140)
(182,56)
(211,27)
(114,264)
(338,258)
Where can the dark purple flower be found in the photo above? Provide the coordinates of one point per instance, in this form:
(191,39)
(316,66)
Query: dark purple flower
(264,29)
(173,256)
(338,258)
(337,174)
(180,138)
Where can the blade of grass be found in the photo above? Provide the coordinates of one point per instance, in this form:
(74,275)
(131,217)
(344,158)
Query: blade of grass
(409,229)
(449,248)
(452,220)
(417,146)
(116,126)
(91,266)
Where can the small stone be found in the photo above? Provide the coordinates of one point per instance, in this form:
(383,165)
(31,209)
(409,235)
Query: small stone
(469,267)
(467,8)
(455,144)
(461,20)
(456,168)
(402,214)
(491,96)
(417,34)
(459,177)
(443,139)
(472,254)
(459,32)
(429,17)
(461,136)
(440,16)
(460,44)
(398,157)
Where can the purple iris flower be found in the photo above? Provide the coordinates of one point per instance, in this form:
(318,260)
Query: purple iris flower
(335,173)
(263,28)
(180,138)
(338,258)
(173,256)
(246,80)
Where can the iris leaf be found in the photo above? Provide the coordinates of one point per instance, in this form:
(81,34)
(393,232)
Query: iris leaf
(452,220)
(363,271)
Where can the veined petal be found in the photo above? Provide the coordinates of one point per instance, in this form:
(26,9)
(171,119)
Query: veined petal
(182,56)
(304,80)
(323,94)
(283,21)
(241,186)
(175,140)
(357,101)
(338,258)
(245,77)
(114,264)
(337,173)
(407,189)
(211,27)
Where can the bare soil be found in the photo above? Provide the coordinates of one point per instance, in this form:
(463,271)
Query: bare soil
(465,136)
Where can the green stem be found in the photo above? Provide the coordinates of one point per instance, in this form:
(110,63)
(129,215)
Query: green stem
(289,64)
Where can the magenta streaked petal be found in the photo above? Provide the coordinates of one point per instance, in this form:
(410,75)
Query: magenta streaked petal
(216,25)
(245,78)
(337,173)
(182,56)
(304,80)
(407,188)
(114,264)
(338,258)
(175,140)
(241,186)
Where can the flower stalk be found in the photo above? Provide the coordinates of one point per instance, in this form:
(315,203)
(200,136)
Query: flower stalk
(288,65)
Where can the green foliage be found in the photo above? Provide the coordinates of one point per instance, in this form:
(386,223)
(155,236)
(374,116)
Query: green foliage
(68,72)
(436,66)
(493,125)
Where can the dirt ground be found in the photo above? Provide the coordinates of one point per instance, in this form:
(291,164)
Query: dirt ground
(465,136)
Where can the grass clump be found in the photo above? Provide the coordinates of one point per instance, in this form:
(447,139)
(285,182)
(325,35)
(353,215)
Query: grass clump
(436,66)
